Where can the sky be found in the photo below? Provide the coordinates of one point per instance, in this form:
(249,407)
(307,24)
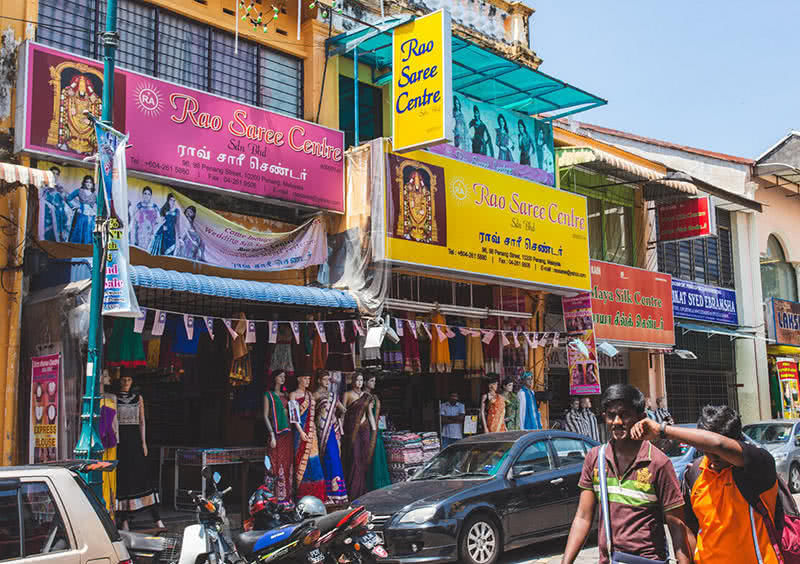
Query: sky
(718,75)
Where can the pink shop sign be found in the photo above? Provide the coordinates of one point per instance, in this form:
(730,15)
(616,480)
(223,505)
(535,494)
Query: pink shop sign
(178,134)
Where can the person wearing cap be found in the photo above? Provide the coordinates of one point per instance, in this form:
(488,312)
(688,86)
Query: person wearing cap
(529,418)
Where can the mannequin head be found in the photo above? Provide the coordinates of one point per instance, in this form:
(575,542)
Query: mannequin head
(303,381)
(279,381)
(586,402)
(508,386)
(358,382)
(493,382)
(323,380)
(575,403)
(125,383)
(372,379)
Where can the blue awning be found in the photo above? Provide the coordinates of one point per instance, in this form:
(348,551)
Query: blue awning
(714,330)
(234,289)
(477,73)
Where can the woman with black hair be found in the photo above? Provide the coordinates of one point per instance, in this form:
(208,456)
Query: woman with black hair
(83,202)
(164,241)
(503,139)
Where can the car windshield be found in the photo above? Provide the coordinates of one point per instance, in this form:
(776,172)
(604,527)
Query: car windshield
(466,460)
(769,432)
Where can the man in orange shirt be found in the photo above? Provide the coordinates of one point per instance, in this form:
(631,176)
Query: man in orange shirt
(717,488)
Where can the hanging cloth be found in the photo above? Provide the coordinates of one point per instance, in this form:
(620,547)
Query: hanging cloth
(474,363)
(410,346)
(440,349)
(458,348)
(125,347)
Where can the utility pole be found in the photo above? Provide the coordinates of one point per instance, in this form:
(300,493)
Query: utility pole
(89,445)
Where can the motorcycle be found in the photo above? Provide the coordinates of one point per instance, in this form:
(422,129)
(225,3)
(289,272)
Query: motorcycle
(353,540)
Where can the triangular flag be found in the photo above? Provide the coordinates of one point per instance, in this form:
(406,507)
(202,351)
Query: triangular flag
(449,332)
(188,324)
(412,326)
(341,331)
(209,321)
(296,330)
(535,340)
(465,331)
(273,331)
(530,341)
(138,325)
(250,335)
(427,327)
(321,331)
(515,339)
(229,327)
(556,337)
(359,329)
(398,325)
(159,320)
(440,332)
(506,342)
(487,336)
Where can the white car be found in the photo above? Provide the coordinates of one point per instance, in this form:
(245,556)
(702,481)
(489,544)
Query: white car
(49,515)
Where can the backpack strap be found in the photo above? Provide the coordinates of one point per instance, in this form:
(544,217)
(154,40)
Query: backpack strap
(601,463)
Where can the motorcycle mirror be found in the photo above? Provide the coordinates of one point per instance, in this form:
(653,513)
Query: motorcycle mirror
(206,472)
(267,463)
(217,477)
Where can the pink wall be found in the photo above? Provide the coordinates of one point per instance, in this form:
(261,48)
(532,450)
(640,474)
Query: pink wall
(781,217)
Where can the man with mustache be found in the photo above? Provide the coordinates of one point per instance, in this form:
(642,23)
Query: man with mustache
(721,486)
(643,491)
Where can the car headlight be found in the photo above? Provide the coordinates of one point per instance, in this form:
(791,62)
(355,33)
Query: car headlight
(420,515)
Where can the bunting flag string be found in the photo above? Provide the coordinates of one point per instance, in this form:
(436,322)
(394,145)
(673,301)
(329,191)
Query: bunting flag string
(532,339)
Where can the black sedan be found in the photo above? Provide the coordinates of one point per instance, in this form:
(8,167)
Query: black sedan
(481,496)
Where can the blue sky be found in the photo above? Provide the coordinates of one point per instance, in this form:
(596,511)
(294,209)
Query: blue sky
(718,75)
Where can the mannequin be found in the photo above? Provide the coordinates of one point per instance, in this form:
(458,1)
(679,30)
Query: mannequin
(528,408)
(308,475)
(133,492)
(493,408)
(108,427)
(359,424)
(512,405)
(329,431)
(279,437)
(378,473)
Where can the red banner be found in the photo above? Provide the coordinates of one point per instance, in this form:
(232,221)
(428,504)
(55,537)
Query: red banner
(686,219)
(632,305)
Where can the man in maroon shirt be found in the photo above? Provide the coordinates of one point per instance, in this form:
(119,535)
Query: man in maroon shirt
(643,490)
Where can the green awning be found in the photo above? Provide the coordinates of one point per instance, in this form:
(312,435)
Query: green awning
(477,73)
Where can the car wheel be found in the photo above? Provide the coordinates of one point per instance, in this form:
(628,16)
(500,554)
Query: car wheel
(480,541)
(794,478)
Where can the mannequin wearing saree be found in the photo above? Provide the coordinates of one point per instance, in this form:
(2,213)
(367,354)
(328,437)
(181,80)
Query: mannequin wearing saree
(493,409)
(358,427)
(512,406)
(329,433)
(309,478)
(378,473)
(280,441)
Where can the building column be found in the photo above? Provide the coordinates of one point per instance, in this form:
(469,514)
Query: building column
(316,32)
(752,373)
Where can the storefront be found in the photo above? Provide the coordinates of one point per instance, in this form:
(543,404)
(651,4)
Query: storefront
(783,357)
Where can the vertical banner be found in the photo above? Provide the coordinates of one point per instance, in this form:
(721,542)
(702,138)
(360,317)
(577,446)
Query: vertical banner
(119,298)
(44,408)
(584,372)
(790,395)
(422,105)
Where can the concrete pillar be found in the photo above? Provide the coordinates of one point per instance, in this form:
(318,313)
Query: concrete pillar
(752,375)
(316,33)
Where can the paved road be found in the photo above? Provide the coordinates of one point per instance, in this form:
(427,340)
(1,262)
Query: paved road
(550,552)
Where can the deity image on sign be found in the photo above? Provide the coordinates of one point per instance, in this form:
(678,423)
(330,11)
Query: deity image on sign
(417,187)
(77,90)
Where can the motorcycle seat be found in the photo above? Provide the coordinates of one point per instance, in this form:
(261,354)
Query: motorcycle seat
(245,542)
(328,522)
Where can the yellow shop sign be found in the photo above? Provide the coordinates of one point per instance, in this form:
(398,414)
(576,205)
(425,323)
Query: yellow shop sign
(422,97)
(448,215)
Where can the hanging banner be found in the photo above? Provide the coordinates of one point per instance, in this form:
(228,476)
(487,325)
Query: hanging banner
(119,297)
(184,135)
(43,443)
(501,140)
(686,219)
(691,300)
(451,216)
(785,321)
(584,371)
(790,396)
(164,222)
(632,305)
(422,104)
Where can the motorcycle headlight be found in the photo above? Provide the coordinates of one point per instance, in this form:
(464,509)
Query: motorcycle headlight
(419,515)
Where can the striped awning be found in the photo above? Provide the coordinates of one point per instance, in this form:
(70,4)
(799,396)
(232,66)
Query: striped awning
(607,164)
(14,174)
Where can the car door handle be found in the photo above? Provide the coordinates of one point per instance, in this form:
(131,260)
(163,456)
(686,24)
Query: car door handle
(556,481)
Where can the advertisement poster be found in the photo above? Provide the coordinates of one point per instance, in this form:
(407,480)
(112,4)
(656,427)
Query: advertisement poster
(691,300)
(177,133)
(422,82)
(786,321)
(164,222)
(501,140)
(461,218)
(790,396)
(119,298)
(632,305)
(44,408)
(687,219)
(584,371)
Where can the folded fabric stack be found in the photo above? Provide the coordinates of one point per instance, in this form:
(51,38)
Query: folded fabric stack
(430,445)
(405,454)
